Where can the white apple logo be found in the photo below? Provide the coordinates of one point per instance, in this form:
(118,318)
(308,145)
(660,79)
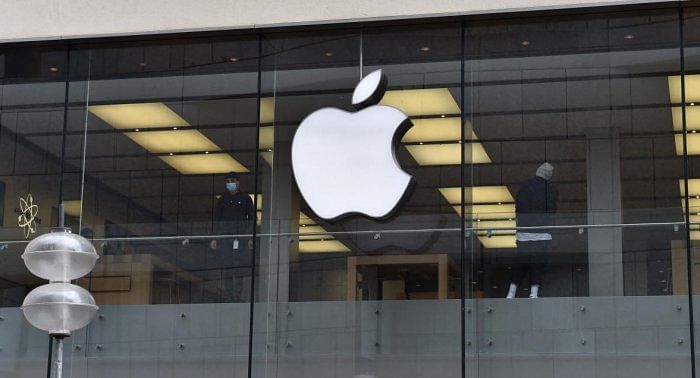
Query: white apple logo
(345,163)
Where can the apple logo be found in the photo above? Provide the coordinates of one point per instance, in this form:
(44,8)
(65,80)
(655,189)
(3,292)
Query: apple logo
(344,163)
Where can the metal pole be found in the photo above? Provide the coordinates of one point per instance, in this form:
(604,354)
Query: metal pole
(48,365)
(61,215)
(59,357)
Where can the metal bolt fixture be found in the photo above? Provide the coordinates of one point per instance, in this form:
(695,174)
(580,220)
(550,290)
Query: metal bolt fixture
(98,346)
(679,307)
(183,315)
(100,316)
(489,343)
(680,340)
(289,345)
(582,308)
(583,341)
(489,310)
(180,346)
(377,236)
(77,347)
(376,343)
(469,342)
(469,311)
(376,312)
(289,313)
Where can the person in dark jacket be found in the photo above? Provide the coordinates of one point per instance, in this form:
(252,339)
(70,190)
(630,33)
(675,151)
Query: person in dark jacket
(235,215)
(535,203)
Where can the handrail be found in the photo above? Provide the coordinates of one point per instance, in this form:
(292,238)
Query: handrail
(469,230)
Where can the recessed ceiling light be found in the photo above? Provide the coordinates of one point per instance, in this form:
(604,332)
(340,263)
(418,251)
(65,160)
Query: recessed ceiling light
(137,130)
(174,128)
(171,154)
(525,42)
(425,49)
(139,115)
(142,64)
(329,54)
(629,36)
(442,116)
(233,59)
(53,69)
(692,104)
(269,150)
(206,152)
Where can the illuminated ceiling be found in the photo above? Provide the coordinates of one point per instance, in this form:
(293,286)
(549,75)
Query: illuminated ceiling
(188,151)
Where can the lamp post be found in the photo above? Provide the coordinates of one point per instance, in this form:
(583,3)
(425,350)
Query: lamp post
(59,307)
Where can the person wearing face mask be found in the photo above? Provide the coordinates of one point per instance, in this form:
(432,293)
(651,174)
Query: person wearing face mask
(235,215)
(535,202)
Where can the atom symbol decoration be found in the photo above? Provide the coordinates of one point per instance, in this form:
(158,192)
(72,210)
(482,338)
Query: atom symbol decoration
(28,218)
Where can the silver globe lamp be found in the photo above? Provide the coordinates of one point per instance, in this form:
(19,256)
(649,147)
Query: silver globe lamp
(59,307)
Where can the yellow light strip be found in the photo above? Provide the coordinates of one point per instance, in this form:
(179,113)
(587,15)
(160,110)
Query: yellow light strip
(447,154)
(435,101)
(692,88)
(72,208)
(692,117)
(138,116)
(200,164)
(322,246)
(477,194)
(159,142)
(434,130)
(267,110)
(498,241)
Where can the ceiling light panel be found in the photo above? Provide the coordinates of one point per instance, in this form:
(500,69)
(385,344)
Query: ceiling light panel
(692,88)
(447,154)
(498,241)
(200,164)
(504,211)
(693,187)
(267,110)
(478,194)
(322,246)
(692,117)
(72,208)
(484,226)
(267,137)
(173,141)
(413,102)
(434,130)
(138,116)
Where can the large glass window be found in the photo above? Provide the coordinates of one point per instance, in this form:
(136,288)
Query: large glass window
(532,177)
(580,198)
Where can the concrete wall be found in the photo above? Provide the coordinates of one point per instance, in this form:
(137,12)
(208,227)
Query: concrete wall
(55,19)
(641,337)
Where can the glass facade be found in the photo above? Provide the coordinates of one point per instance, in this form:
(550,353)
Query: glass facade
(553,160)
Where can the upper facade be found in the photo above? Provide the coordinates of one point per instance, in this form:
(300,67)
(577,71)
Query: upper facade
(61,19)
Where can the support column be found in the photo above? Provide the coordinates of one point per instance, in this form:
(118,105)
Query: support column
(605,273)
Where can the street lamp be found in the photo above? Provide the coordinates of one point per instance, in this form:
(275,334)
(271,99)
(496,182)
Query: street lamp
(59,307)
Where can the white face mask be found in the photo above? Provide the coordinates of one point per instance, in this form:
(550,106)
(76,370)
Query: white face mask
(231,186)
